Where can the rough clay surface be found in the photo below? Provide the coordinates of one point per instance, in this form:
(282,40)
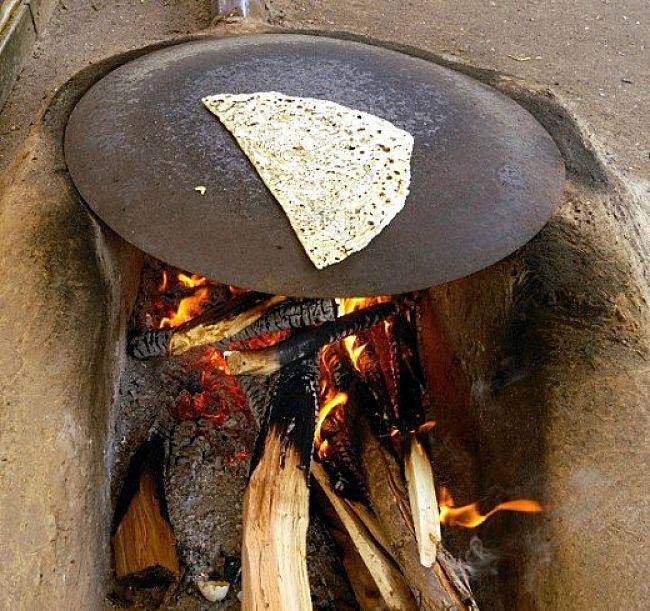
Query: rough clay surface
(550,346)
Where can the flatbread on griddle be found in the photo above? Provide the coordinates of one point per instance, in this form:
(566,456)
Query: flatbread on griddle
(341,175)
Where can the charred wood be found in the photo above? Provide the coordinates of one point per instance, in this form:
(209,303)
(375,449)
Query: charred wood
(372,393)
(214,324)
(342,464)
(150,344)
(307,342)
(411,390)
(339,448)
(258,394)
(221,322)
(293,314)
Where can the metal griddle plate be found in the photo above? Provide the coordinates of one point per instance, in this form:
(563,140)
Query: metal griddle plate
(485,175)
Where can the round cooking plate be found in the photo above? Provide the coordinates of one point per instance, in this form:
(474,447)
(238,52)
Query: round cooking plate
(485,176)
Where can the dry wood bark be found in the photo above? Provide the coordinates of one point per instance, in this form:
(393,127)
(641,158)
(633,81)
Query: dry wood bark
(276,502)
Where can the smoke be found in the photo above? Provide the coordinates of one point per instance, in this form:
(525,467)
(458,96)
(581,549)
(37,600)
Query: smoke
(479,561)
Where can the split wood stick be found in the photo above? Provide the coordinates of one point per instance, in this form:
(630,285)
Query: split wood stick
(431,587)
(306,342)
(386,577)
(276,502)
(293,314)
(423,501)
(214,324)
(363,585)
(144,544)
(210,331)
(413,404)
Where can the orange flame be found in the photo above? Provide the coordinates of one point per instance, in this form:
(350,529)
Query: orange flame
(191,281)
(469,516)
(164,283)
(425,427)
(188,308)
(346,305)
(355,349)
(339,399)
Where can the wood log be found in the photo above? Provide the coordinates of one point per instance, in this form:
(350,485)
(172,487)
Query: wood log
(413,406)
(208,329)
(373,396)
(293,314)
(386,578)
(365,590)
(214,324)
(276,502)
(432,587)
(143,543)
(307,342)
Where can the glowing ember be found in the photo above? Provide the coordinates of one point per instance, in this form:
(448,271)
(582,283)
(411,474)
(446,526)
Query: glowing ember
(261,341)
(469,516)
(188,308)
(215,395)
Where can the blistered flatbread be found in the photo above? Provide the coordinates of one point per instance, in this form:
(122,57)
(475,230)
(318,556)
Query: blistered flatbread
(340,175)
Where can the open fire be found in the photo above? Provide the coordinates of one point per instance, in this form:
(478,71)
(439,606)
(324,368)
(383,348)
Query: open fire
(370,436)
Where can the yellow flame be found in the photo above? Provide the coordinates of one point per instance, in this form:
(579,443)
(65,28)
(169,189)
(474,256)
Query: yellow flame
(191,281)
(339,399)
(188,308)
(469,516)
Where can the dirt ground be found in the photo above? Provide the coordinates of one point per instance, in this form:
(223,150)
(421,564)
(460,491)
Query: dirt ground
(80,33)
(595,53)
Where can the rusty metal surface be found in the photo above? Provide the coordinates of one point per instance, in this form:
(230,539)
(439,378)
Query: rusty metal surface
(485,175)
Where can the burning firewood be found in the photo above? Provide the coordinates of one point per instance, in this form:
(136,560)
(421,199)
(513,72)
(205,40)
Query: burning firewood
(285,315)
(213,325)
(276,502)
(144,544)
(431,586)
(371,387)
(413,402)
(294,314)
(384,576)
(306,342)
